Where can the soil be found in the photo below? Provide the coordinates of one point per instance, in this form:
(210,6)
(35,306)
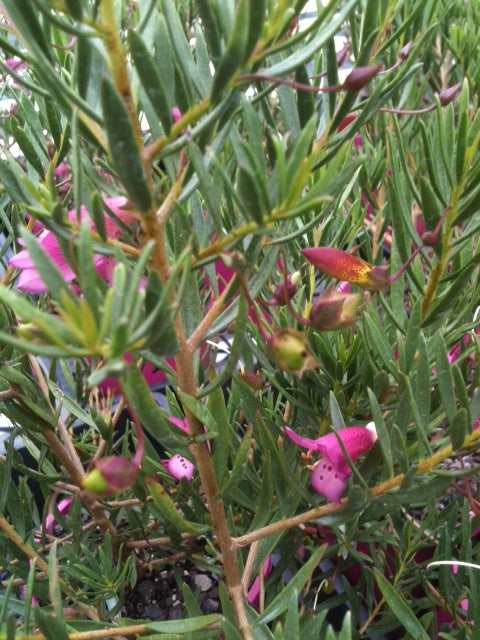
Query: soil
(158,595)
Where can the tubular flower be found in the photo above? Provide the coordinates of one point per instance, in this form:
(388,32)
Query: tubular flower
(331,472)
(30,280)
(343,266)
(334,310)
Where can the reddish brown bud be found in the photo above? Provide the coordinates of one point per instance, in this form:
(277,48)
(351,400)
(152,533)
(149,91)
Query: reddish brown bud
(286,290)
(110,474)
(343,266)
(447,95)
(254,380)
(360,77)
(429,238)
(334,310)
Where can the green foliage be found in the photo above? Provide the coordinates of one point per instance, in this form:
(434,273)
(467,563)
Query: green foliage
(211,118)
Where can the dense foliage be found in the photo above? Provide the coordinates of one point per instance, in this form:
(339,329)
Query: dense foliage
(240,252)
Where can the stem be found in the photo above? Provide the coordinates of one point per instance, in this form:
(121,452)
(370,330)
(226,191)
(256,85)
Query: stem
(211,315)
(29,551)
(67,455)
(186,120)
(449,215)
(118,64)
(289,83)
(184,361)
(128,630)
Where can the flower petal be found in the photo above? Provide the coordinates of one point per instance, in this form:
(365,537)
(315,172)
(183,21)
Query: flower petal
(328,480)
(307,443)
(180,422)
(179,467)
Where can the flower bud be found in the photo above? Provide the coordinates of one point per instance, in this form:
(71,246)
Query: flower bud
(447,95)
(286,290)
(429,238)
(334,310)
(342,55)
(360,77)
(110,474)
(289,350)
(254,380)
(343,266)
(404,51)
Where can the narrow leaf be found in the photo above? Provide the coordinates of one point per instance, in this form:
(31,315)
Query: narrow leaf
(399,607)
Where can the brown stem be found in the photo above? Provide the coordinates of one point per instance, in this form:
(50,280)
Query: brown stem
(118,64)
(184,362)
(261,77)
(211,315)
(67,456)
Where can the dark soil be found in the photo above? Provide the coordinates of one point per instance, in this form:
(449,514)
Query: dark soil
(159,594)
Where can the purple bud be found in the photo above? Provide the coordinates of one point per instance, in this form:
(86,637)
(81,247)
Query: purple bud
(430,238)
(285,291)
(404,51)
(360,77)
(342,55)
(447,95)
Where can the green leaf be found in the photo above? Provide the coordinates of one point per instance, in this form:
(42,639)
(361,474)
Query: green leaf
(327,24)
(253,204)
(236,51)
(150,78)
(124,150)
(399,607)
(169,512)
(51,627)
(292,618)
(240,463)
(459,427)
(54,122)
(445,379)
(151,416)
(413,335)
(182,48)
(383,436)
(27,147)
(208,12)
(281,602)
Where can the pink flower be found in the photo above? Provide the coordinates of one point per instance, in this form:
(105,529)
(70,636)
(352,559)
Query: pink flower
(331,472)
(30,280)
(178,466)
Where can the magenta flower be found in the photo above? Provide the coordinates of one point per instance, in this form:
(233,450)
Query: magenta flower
(30,280)
(331,472)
